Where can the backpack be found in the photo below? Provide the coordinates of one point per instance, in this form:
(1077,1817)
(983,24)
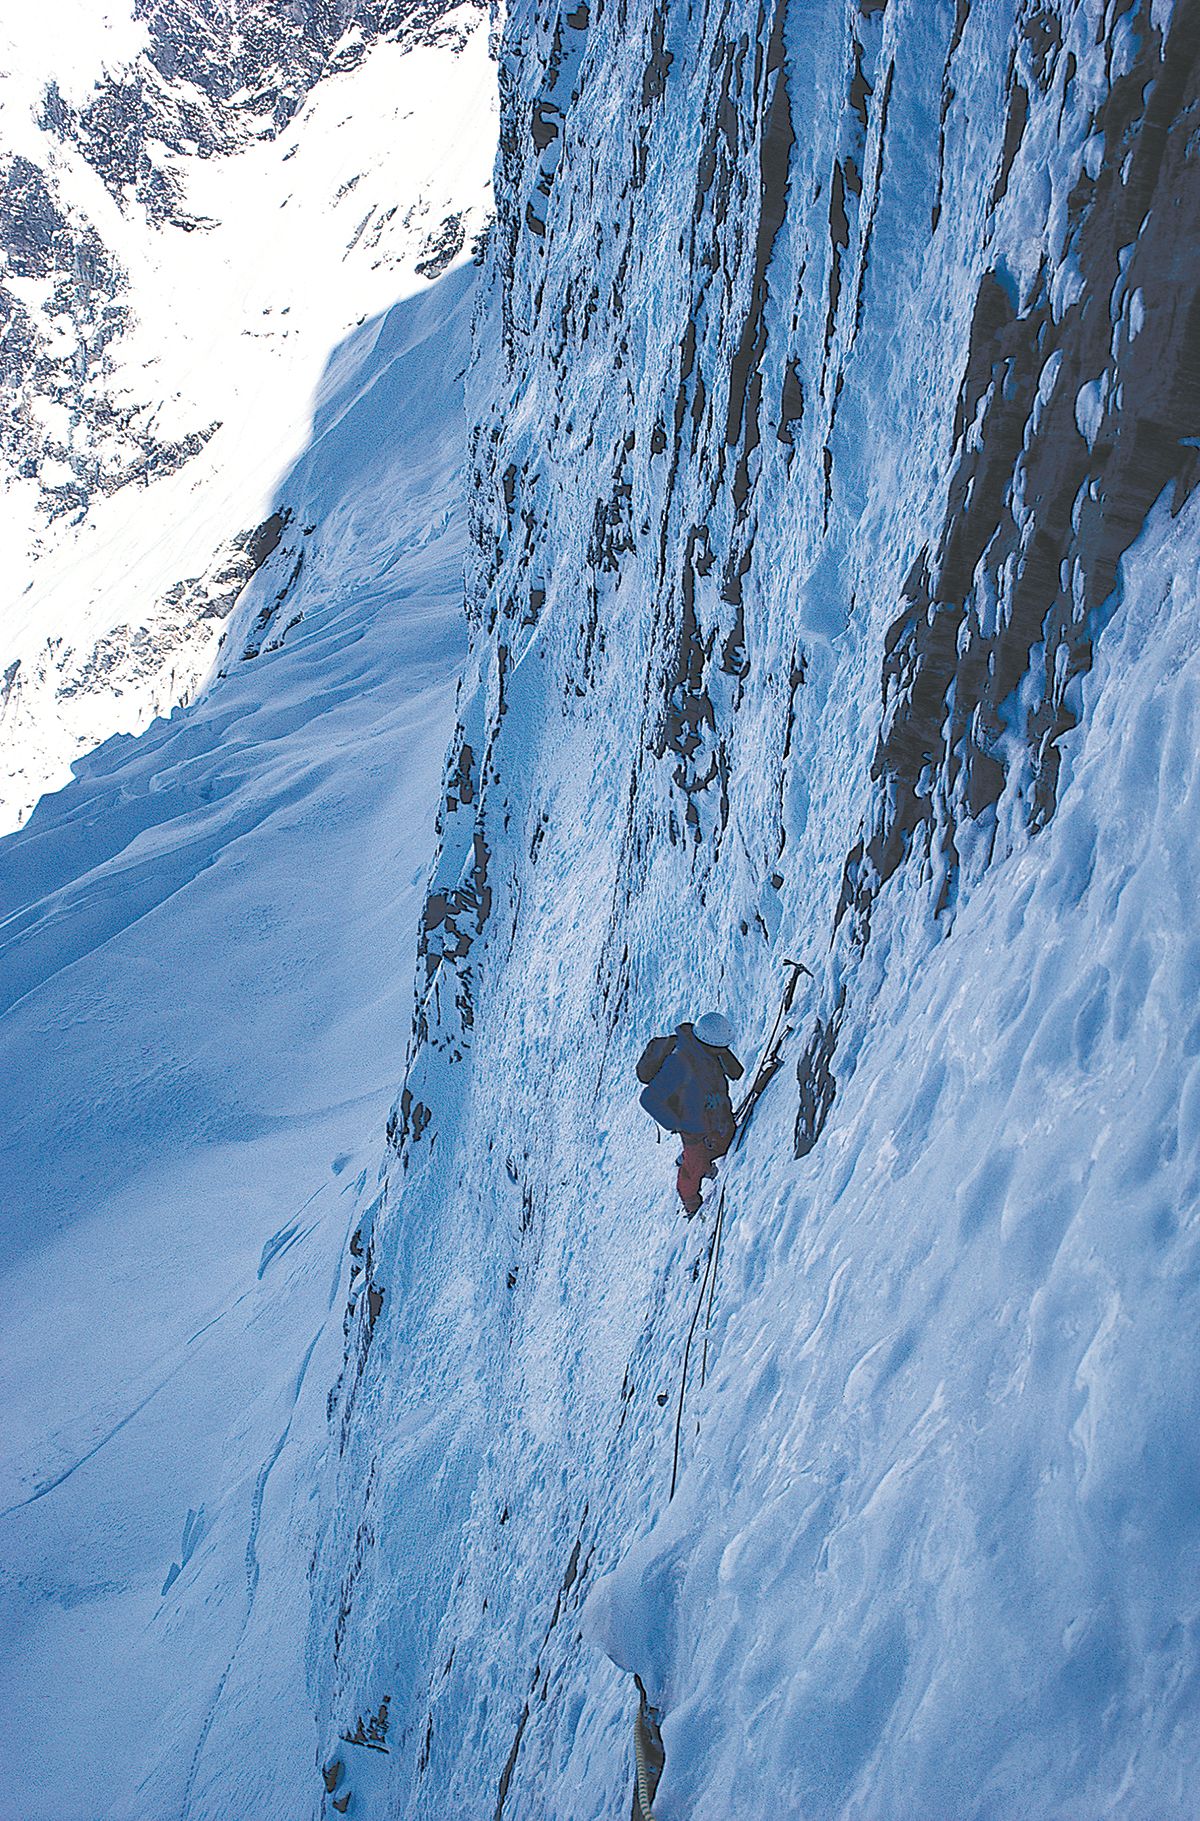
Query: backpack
(662,1097)
(686,1085)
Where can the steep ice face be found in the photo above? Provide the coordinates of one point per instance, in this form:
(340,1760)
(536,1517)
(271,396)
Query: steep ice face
(832,540)
(192,214)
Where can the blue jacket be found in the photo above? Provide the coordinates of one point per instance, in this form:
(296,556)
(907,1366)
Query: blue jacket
(687,1085)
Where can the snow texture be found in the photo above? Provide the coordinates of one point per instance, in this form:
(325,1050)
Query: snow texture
(806,621)
(198,1045)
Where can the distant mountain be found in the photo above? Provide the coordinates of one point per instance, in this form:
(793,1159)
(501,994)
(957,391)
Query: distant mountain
(145,279)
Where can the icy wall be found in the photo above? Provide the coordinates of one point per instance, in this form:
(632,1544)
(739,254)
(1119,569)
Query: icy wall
(835,433)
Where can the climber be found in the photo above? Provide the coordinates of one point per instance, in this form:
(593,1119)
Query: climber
(687,1078)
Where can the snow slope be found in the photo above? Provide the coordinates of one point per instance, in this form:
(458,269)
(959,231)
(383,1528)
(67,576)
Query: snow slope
(936,1553)
(160,370)
(207,941)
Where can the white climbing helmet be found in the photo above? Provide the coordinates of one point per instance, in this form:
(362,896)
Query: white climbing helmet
(715,1030)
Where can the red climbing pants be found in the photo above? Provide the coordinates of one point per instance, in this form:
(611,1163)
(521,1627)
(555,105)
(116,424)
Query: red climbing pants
(698,1154)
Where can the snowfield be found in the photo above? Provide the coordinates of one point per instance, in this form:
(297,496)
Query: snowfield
(199,1044)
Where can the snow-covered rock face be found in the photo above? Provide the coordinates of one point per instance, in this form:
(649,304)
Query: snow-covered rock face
(832,446)
(194,210)
(835,420)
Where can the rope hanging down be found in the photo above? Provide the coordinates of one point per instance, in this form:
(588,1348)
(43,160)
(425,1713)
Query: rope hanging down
(768,1065)
(683,1377)
(649,1757)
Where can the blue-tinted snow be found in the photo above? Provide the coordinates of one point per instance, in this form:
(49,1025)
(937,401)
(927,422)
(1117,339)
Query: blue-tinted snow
(934,1546)
(206,966)
(936,1552)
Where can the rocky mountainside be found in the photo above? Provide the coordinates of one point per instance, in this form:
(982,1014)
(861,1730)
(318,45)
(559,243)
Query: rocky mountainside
(163,324)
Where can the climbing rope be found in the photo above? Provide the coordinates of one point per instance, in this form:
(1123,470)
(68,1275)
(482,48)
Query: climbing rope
(683,1376)
(712,1285)
(649,1757)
